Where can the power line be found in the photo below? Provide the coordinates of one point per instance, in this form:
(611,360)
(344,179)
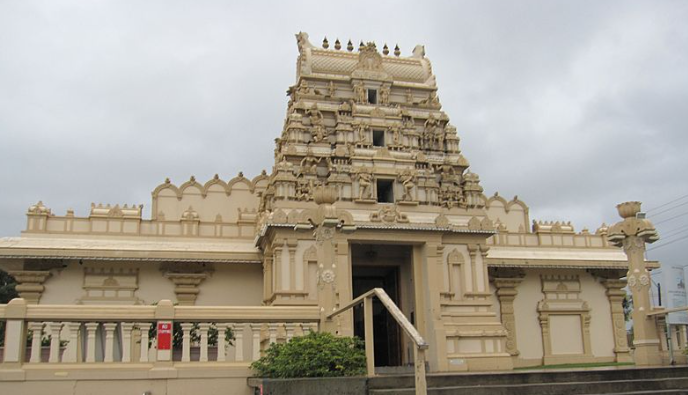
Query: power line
(666,244)
(667,203)
(671,218)
(675,232)
(673,235)
(669,209)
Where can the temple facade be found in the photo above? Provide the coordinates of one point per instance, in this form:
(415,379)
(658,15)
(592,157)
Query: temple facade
(369,189)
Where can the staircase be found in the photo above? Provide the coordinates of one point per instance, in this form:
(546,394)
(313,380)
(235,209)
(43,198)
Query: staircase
(617,381)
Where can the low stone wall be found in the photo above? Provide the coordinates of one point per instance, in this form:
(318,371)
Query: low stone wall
(310,386)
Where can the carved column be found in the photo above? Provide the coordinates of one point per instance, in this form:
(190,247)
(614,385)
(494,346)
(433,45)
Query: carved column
(632,233)
(506,293)
(186,286)
(30,284)
(615,294)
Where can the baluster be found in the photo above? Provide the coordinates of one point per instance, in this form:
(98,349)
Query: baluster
(290,330)
(126,328)
(37,329)
(109,341)
(144,327)
(54,329)
(91,328)
(255,331)
(186,341)
(238,331)
(204,327)
(221,343)
(272,328)
(72,351)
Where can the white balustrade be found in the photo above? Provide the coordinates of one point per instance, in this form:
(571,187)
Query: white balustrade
(121,334)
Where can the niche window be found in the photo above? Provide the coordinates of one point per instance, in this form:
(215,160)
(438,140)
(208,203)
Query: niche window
(385,191)
(378,138)
(372,96)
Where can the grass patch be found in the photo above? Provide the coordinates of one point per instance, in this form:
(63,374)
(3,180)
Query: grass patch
(578,365)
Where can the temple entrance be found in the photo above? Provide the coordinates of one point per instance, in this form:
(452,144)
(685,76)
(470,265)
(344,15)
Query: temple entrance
(388,267)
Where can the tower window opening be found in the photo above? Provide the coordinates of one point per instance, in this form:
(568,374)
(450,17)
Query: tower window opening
(378,138)
(372,96)
(385,191)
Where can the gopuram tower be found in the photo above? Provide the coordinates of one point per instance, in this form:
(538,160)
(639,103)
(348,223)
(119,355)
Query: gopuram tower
(368,125)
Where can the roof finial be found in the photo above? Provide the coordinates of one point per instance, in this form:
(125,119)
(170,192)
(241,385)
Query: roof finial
(397,51)
(385,50)
(361,46)
(349,46)
(337,45)
(326,43)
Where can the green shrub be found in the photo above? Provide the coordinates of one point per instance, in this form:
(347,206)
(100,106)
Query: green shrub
(313,355)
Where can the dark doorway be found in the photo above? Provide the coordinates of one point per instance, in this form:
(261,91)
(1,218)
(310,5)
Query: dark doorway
(390,267)
(385,328)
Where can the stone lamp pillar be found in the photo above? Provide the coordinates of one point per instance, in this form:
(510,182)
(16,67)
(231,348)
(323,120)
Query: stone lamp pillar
(632,233)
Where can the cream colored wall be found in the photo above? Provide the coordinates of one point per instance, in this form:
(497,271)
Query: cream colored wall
(228,285)
(601,326)
(153,287)
(64,286)
(528,330)
(233,285)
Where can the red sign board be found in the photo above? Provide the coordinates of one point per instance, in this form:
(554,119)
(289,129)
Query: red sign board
(164,335)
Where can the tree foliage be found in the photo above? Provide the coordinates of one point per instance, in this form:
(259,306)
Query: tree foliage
(314,355)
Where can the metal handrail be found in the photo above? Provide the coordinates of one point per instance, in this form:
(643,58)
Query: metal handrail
(400,318)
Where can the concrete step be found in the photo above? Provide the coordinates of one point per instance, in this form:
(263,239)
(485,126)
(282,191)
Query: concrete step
(525,377)
(673,380)
(649,386)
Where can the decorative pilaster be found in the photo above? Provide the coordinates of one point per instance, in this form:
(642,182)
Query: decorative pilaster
(30,284)
(186,286)
(506,293)
(615,294)
(632,233)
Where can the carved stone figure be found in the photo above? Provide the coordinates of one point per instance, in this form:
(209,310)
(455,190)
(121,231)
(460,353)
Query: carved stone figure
(331,89)
(309,164)
(362,133)
(365,182)
(384,95)
(360,93)
(406,180)
(396,137)
(409,96)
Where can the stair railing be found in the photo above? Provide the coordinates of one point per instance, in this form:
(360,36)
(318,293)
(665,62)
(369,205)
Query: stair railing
(409,329)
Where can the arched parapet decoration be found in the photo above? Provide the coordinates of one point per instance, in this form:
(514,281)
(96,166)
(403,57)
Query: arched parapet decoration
(240,179)
(167,185)
(215,181)
(496,198)
(517,202)
(192,183)
(260,181)
(311,254)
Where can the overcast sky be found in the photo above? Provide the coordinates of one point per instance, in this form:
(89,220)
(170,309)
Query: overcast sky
(573,106)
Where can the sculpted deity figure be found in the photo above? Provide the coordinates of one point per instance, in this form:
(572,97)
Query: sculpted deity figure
(318,133)
(303,189)
(365,182)
(406,179)
(396,138)
(360,93)
(303,88)
(384,95)
(331,89)
(309,164)
(362,133)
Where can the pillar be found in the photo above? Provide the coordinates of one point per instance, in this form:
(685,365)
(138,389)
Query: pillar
(30,284)
(632,233)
